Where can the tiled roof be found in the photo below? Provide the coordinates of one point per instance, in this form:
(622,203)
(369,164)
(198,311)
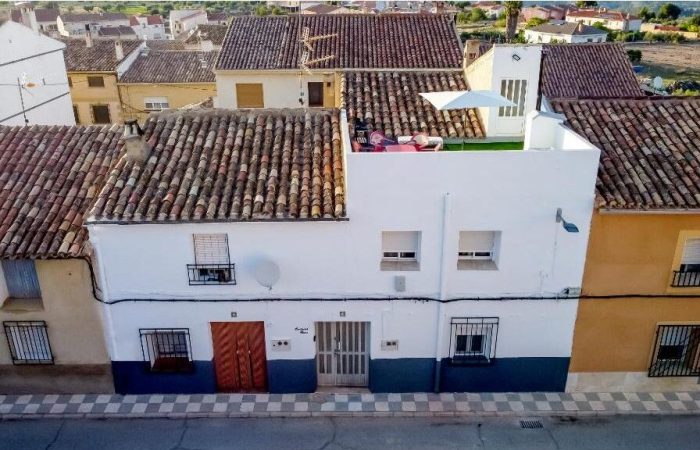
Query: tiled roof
(121,30)
(568,28)
(650,149)
(389,102)
(153,19)
(214,33)
(600,69)
(600,14)
(217,15)
(93,17)
(363,41)
(321,8)
(101,57)
(42,15)
(165,66)
(49,176)
(165,44)
(231,165)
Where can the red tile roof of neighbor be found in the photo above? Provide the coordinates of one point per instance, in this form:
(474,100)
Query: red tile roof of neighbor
(171,66)
(599,13)
(49,176)
(363,41)
(93,17)
(213,33)
(42,15)
(101,57)
(153,19)
(600,69)
(389,102)
(118,31)
(230,165)
(650,149)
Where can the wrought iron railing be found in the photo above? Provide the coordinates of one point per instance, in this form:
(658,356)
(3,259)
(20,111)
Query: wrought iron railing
(473,340)
(166,349)
(211,274)
(685,279)
(676,351)
(29,342)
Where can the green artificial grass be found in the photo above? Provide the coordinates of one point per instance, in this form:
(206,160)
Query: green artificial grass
(476,146)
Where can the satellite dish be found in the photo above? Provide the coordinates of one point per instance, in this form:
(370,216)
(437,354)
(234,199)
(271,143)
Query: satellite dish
(267,273)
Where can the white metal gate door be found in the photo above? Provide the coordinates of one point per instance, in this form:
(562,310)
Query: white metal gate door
(342,353)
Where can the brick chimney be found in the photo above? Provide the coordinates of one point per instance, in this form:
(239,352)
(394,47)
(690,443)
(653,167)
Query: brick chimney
(137,149)
(118,50)
(471,52)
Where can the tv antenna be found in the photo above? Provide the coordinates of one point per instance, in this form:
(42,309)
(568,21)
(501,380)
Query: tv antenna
(306,53)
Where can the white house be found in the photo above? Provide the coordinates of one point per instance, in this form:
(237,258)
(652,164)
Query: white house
(45,18)
(184,20)
(148,27)
(568,32)
(33,81)
(614,20)
(77,24)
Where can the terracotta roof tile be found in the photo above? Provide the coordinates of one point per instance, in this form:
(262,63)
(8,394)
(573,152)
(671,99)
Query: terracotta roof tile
(214,33)
(389,102)
(600,69)
(650,149)
(93,17)
(165,66)
(407,41)
(101,57)
(49,176)
(231,165)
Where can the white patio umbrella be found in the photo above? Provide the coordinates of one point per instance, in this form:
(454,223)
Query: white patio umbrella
(465,99)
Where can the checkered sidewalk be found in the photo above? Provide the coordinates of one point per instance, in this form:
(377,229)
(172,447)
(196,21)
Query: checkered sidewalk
(325,404)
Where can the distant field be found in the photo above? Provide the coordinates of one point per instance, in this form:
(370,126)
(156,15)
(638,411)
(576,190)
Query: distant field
(670,61)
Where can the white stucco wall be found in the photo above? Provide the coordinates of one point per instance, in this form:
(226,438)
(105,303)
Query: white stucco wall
(280,90)
(545,38)
(41,59)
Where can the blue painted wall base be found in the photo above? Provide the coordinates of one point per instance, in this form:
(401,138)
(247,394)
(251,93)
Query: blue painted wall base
(132,377)
(290,376)
(401,375)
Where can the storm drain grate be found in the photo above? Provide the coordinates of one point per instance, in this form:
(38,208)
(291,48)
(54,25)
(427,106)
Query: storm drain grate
(530,424)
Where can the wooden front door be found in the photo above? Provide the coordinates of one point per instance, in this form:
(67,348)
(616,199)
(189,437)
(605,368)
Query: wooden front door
(239,356)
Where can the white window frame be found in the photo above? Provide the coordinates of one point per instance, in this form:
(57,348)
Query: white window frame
(478,257)
(156,103)
(400,250)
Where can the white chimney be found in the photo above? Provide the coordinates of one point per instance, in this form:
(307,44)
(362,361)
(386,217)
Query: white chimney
(119,50)
(137,149)
(88,38)
(29,17)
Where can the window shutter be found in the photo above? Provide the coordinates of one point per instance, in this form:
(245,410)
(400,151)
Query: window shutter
(21,278)
(211,249)
(691,252)
(475,241)
(400,241)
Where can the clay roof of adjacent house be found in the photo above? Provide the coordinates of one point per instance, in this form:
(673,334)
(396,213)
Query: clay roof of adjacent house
(390,102)
(100,57)
(214,33)
(361,41)
(92,17)
(194,13)
(153,19)
(567,28)
(49,177)
(42,15)
(217,15)
(600,69)
(165,44)
(118,31)
(600,13)
(321,8)
(230,165)
(167,66)
(650,149)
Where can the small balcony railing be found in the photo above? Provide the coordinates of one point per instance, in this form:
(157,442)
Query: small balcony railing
(685,279)
(200,274)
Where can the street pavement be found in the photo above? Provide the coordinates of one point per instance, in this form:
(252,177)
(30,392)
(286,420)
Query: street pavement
(637,432)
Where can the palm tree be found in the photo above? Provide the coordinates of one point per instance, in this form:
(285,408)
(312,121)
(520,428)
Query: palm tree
(512,14)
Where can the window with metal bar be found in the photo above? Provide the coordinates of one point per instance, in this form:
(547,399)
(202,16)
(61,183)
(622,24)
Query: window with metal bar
(688,274)
(515,91)
(29,342)
(166,349)
(21,278)
(473,340)
(212,261)
(676,351)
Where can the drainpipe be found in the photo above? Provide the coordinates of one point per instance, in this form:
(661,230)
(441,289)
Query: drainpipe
(444,263)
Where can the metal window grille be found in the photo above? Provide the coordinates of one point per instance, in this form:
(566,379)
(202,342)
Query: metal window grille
(21,278)
(688,274)
(515,91)
(167,349)
(29,342)
(212,261)
(473,340)
(676,351)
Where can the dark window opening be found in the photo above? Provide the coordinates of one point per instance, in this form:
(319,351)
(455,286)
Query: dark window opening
(96,81)
(473,340)
(100,114)
(167,350)
(316,94)
(676,351)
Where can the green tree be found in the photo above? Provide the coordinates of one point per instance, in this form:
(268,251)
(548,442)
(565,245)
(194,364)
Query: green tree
(586,4)
(635,56)
(669,11)
(477,15)
(512,14)
(535,21)
(261,10)
(646,15)
(88,8)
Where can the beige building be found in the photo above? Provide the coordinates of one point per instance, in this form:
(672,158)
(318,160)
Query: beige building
(52,339)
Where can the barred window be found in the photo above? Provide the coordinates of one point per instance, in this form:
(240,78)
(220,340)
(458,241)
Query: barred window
(515,91)
(473,340)
(676,351)
(212,261)
(29,342)
(167,349)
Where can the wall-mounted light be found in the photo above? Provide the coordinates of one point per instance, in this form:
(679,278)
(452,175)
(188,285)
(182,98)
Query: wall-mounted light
(568,226)
(516,57)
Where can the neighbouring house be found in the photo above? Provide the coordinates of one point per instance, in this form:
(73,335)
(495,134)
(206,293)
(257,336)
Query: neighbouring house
(34,88)
(327,8)
(564,32)
(79,24)
(184,20)
(159,80)
(206,38)
(492,9)
(149,27)
(640,328)
(52,341)
(217,17)
(92,67)
(614,20)
(545,12)
(263,62)
(44,18)
(657,28)
(241,220)
(121,32)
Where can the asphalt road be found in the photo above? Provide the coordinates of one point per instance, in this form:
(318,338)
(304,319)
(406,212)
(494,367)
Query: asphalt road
(595,433)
